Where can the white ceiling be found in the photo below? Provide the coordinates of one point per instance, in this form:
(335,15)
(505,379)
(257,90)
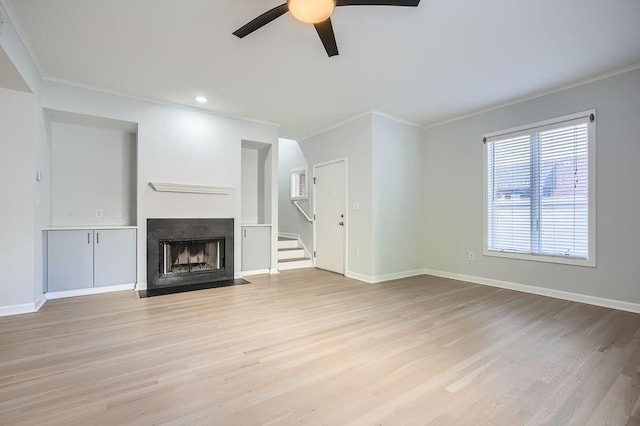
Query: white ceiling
(443,59)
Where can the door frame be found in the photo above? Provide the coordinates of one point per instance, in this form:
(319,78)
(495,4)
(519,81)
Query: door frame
(344,160)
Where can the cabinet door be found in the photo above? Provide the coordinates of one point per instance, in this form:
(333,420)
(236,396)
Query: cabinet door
(256,248)
(69,260)
(114,257)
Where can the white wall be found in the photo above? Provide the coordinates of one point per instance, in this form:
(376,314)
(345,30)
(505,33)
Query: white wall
(396,197)
(249,186)
(177,145)
(17,196)
(351,140)
(453,191)
(92,169)
(291,220)
(28,290)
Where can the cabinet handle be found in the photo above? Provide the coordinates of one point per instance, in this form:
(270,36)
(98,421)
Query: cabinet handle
(245,233)
(88,237)
(98,238)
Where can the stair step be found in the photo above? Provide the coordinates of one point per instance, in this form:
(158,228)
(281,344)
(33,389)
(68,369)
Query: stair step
(304,262)
(287,243)
(290,253)
(294,259)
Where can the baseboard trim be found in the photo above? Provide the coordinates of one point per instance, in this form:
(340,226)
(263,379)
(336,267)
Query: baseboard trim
(41,301)
(141,286)
(89,291)
(25,308)
(383,278)
(256,272)
(557,294)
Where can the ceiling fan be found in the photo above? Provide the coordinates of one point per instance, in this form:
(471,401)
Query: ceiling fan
(318,13)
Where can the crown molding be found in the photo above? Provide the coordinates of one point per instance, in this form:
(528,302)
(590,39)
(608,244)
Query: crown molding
(52,79)
(536,95)
(396,119)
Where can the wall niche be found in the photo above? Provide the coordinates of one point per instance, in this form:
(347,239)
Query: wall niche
(93,170)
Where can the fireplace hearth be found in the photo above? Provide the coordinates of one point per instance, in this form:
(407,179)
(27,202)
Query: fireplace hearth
(184,252)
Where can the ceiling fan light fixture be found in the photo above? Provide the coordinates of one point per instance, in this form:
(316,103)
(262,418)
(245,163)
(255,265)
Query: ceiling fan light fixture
(311,11)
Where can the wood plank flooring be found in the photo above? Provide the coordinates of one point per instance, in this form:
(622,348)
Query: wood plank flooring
(311,347)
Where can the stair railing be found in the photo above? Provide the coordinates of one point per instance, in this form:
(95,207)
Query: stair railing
(302,211)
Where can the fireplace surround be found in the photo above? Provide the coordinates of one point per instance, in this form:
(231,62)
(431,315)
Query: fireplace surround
(182,252)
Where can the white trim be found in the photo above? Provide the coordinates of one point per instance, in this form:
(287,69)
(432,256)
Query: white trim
(358,276)
(534,96)
(335,126)
(383,278)
(396,119)
(541,291)
(591,173)
(25,308)
(89,291)
(344,160)
(191,189)
(113,92)
(255,272)
(141,286)
(40,302)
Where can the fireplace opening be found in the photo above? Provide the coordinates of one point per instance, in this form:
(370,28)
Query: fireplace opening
(179,257)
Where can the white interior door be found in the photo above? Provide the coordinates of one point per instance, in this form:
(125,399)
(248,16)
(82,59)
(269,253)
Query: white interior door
(329,206)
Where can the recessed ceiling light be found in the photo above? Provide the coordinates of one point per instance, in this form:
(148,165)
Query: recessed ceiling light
(201,99)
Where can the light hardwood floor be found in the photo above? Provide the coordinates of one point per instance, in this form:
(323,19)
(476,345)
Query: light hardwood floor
(312,347)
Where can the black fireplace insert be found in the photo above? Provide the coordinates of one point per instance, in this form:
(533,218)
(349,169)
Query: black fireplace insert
(183,252)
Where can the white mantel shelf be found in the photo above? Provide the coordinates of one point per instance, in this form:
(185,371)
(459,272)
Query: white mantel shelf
(190,189)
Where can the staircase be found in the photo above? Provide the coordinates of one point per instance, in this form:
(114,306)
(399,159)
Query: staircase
(292,255)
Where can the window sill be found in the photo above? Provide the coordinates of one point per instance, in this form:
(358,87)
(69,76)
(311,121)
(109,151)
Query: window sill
(542,258)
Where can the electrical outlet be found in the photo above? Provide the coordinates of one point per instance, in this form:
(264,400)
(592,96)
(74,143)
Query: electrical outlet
(357,253)
(99,213)
(472,256)
(119,214)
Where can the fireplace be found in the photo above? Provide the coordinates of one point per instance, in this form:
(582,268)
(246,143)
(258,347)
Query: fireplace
(188,251)
(191,256)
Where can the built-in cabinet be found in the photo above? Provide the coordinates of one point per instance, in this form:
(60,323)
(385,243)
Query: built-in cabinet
(256,247)
(86,258)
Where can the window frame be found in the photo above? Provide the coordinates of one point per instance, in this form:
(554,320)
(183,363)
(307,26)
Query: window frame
(591,188)
(299,171)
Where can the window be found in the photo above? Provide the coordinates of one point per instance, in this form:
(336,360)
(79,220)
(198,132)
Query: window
(298,184)
(539,185)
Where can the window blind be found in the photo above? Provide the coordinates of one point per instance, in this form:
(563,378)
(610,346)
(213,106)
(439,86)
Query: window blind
(538,191)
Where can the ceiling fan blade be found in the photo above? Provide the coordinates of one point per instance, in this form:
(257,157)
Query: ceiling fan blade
(325,31)
(411,3)
(262,20)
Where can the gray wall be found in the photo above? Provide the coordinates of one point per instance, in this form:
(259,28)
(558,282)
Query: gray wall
(249,186)
(453,192)
(291,221)
(397,197)
(92,169)
(17,197)
(28,290)
(351,140)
